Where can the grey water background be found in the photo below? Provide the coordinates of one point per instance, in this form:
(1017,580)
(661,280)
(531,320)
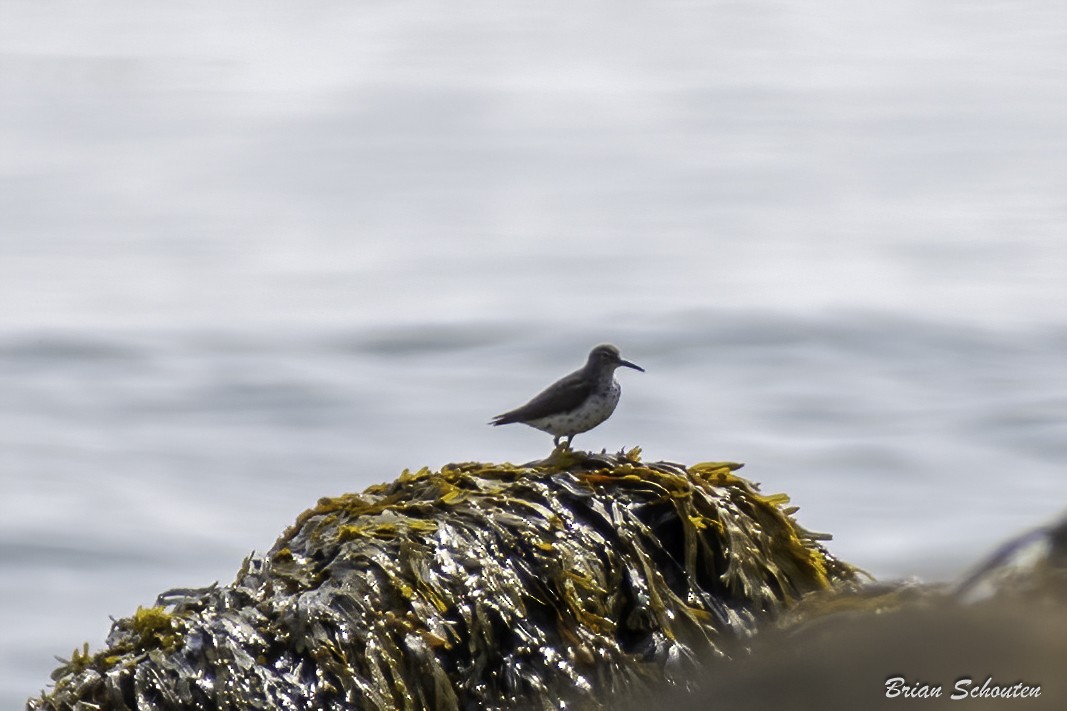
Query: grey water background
(252,254)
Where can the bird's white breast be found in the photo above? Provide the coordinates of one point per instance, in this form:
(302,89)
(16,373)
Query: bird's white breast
(596,408)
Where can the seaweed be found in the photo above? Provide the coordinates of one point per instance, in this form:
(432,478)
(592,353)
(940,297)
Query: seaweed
(563,582)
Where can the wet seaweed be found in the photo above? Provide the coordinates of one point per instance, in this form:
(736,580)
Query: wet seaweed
(559,583)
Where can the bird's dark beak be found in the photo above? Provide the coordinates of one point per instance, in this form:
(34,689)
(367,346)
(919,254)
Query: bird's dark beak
(628,364)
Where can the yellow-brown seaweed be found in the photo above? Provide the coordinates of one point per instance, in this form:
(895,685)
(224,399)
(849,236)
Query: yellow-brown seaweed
(576,579)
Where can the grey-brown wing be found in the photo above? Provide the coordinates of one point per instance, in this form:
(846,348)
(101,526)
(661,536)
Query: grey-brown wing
(565,394)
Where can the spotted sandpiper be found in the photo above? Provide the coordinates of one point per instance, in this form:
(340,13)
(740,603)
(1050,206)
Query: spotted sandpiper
(577,402)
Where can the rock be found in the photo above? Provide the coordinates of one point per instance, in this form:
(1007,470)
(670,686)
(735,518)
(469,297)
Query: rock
(576,579)
(998,638)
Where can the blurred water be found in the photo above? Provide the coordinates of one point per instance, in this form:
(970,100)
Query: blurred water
(257,254)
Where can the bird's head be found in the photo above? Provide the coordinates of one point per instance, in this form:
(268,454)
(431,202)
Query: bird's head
(607,356)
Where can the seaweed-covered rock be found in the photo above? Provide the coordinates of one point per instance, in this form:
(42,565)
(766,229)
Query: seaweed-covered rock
(566,581)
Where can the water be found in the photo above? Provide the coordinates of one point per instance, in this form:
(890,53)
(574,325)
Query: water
(255,255)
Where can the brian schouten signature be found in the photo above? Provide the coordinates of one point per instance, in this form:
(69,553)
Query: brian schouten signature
(897,687)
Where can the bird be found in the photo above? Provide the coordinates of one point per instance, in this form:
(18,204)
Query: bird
(577,402)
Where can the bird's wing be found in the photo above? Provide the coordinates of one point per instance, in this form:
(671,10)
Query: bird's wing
(563,395)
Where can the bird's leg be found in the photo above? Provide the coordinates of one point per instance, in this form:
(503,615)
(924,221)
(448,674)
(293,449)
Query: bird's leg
(555,440)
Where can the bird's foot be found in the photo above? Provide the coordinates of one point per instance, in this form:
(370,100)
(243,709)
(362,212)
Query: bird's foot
(563,454)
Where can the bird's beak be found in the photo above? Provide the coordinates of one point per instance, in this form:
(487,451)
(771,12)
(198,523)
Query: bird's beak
(628,364)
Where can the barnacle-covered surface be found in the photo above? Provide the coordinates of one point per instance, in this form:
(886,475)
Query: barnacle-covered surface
(568,581)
